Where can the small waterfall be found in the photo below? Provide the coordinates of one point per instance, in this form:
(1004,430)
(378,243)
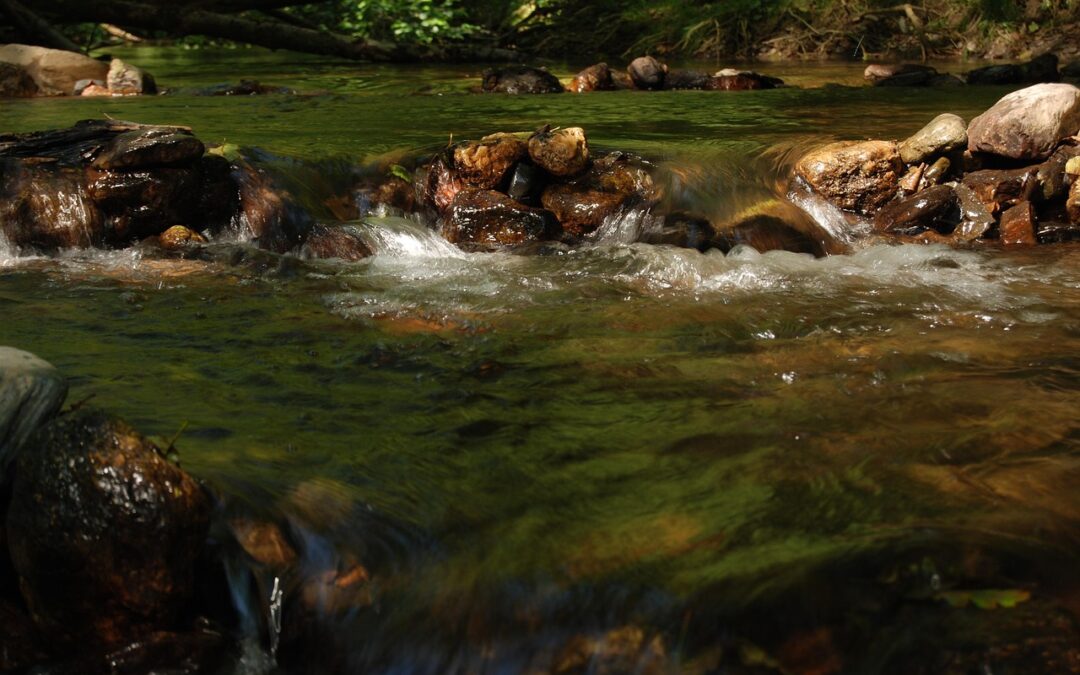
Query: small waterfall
(623,227)
(843,227)
(397,237)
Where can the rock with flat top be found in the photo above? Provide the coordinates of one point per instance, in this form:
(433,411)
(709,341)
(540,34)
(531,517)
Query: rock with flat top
(125,79)
(1027,124)
(55,71)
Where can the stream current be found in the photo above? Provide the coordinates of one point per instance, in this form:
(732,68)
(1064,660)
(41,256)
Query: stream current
(698,462)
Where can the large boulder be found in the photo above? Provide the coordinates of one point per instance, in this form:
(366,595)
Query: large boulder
(1027,124)
(945,133)
(15,81)
(54,70)
(856,176)
(31,393)
(103,532)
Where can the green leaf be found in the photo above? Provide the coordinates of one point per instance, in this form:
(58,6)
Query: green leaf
(401,172)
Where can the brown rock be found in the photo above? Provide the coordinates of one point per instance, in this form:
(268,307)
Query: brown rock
(562,152)
(1072,203)
(594,78)
(55,71)
(520,80)
(1051,174)
(104,532)
(740,80)
(268,214)
(934,208)
(343,242)
(856,176)
(912,179)
(999,190)
(623,174)
(580,210)
(936,172)
(92,88)
(647,73)
(437,185)
(1018,225)
(150,147)
(776,225)
(975,217)
(138,204)
(125,79)
(264,542)
(15,81)
(178,237)
(395,193)
(1027,124)
(47,207)
(486,220)
(485,163)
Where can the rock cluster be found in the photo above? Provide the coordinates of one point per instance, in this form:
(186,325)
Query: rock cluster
(1039,70)
(37,71)
(1010,175)
(644,73)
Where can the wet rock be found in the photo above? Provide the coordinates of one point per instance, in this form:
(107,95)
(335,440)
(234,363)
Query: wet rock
(244,88)
(31,393)
(683,230)
(150,147)
(1072,203)
(686,79)
(486,220)
(15,81)
(526,183)
(594,78)
(856,176)
(936,172)
(343,242)
(47,207)
(395,193)
(578,209)
(1017,226)
(103,531)
(623,174)
(1027,124)
(139,204)
(437,185)
(880,72)
(520,80)
(1052,174)
(560,152)
(776,226)
(741,80)
(944,134)
(55,71)
(1041,69)
(975,218)
(178,237)
(91,88)
(125,79)
(647,73)
(934,208)
(911,180)
(268,214)
(264,542)
(485,163)
(1057,233)
(1000,189)
(200,651)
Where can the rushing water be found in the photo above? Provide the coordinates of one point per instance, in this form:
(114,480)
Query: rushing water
(702,463)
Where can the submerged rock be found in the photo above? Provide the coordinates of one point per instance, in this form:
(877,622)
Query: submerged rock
(684,230)
(561,152)
(178,237)
(856,176)
(487,220)
(686,79)
(31,393)
(647,73)
(343,242)
(776,226)
(945,133)
(1027,124)
(594,78)
(1041,69)
(103,532)
(741,80)
(520,80)
(879,72)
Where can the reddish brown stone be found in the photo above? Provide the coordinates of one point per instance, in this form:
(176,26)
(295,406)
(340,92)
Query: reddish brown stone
(342,242)
(485,163)
(1018,225)
(264,542)
(485,219)
(437,185)
(856,176)
(998,190)
(580,210)
(594,78)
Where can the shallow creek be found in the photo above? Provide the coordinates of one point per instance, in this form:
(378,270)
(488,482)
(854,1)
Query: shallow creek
(743,463)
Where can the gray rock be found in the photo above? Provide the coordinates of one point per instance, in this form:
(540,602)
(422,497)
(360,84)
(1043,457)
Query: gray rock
(54,70)
(943,134)
(31,393)
(129,80)
(1027,124)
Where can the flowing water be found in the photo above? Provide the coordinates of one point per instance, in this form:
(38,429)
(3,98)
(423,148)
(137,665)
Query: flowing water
(619,458)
